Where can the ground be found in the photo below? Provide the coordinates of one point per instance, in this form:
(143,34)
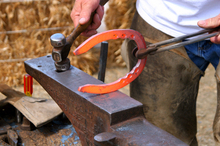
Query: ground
(206,104)
(206,107)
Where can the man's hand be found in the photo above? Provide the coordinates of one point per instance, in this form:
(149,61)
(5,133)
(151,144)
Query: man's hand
(211,23)
(81,13)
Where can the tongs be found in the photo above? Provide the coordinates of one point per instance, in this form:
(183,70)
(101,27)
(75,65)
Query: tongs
(157,47)
(140,52)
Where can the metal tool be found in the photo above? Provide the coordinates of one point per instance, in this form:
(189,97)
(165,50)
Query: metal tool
(103,61)
(12,137)
(62,45)
(106,119)
(107,35)
(8,134)
(60,51)
(157,47)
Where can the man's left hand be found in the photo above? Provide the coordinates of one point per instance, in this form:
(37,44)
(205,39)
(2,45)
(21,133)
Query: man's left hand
(211,23)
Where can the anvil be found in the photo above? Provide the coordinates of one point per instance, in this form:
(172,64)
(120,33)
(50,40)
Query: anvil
(99,119)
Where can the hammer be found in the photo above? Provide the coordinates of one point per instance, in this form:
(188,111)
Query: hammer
(62,45)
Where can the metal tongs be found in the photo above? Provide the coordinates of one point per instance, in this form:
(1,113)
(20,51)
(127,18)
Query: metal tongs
(157,47)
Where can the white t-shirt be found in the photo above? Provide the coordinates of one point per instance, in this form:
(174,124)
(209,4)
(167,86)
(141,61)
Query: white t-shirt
(177,17)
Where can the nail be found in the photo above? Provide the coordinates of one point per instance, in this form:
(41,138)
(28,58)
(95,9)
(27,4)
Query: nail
(202,23)
(82,20)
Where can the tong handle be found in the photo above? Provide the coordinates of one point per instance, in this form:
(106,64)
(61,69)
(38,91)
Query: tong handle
(154,48)
(183,37)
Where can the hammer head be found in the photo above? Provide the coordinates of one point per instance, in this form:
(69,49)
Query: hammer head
(58,40)
(60,51)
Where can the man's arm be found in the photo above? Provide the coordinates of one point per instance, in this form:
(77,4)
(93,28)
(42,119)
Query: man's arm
(81,13)
(211,23)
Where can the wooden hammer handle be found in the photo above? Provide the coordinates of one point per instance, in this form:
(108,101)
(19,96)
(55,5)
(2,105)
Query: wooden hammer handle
(81,28)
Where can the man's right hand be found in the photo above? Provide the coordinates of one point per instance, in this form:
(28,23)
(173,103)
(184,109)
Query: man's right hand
(81,13)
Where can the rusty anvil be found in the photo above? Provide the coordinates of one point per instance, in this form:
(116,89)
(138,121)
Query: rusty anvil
(99,119)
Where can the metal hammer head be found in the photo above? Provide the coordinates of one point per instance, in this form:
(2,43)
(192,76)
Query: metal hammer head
(58,40)
(60,51)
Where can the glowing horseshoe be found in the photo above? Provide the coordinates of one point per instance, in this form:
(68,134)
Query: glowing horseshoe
(107,35)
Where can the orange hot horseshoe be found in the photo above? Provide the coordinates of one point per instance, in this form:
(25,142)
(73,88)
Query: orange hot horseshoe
(107,35)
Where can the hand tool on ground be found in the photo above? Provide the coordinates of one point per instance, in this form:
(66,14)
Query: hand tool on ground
(99,119)
(7,133)
(141,52)
(12,137)
(62,45)
(9,139)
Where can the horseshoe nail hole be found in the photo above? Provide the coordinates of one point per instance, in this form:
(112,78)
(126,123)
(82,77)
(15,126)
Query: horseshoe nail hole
(123,35)
(48,56)
(39,66)
(116,36)
(132,36)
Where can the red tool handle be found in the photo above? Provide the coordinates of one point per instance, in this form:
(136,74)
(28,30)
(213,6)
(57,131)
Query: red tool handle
(107,35)
(28,85)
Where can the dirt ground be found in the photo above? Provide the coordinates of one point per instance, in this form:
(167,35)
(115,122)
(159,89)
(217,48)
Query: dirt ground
(206,104)
(206,107)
